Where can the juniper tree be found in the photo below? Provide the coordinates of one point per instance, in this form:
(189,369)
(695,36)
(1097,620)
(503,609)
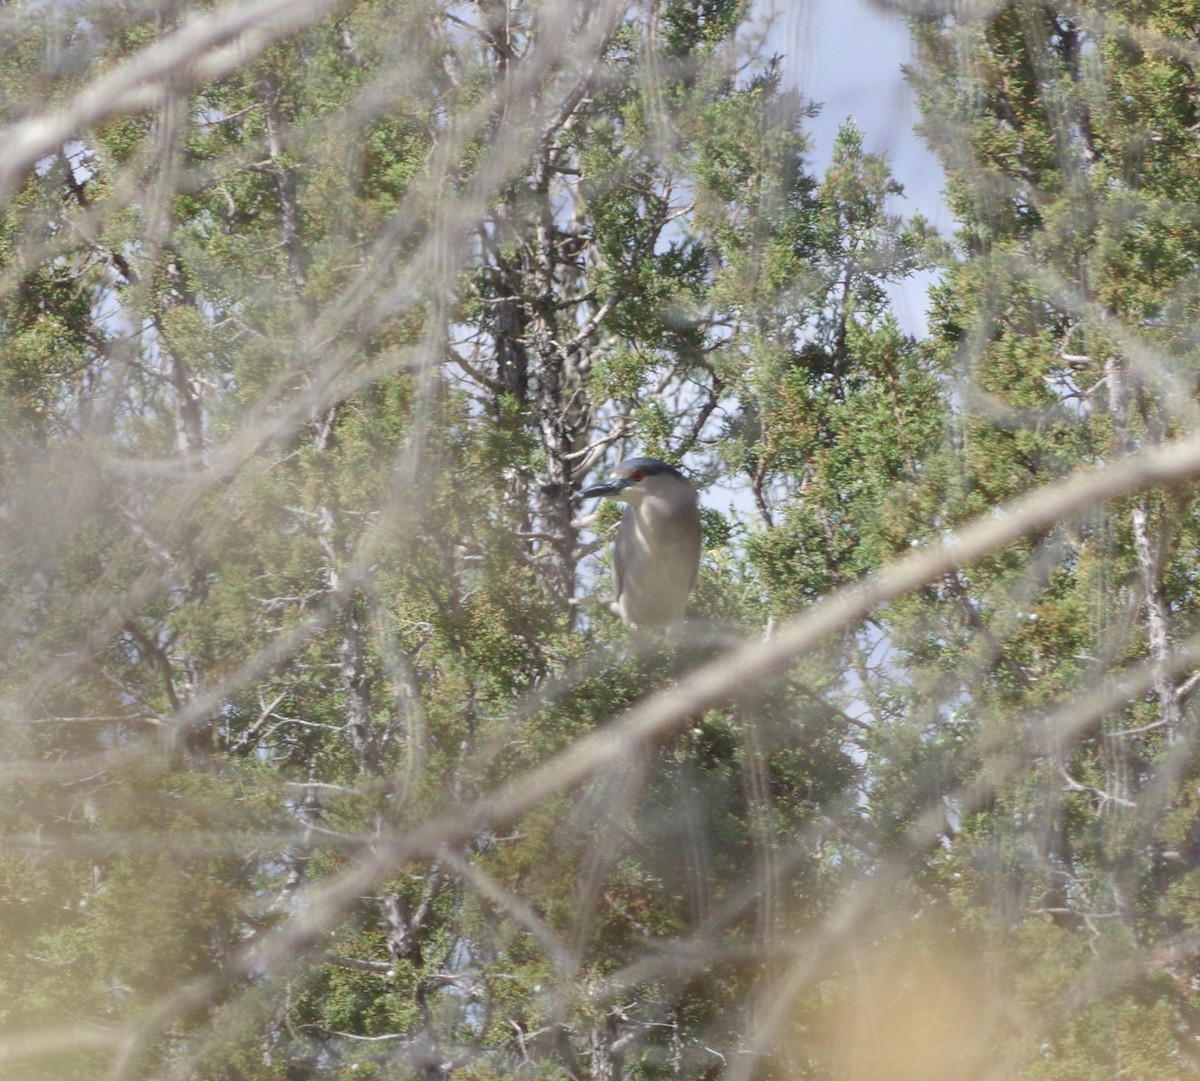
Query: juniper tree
(1064,328)
(303,361)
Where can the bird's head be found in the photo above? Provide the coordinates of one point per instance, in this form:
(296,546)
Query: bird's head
(635,479)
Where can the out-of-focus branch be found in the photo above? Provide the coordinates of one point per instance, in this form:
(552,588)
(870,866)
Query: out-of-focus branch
(661,714)
(813,951)
(205,47)
(758,660)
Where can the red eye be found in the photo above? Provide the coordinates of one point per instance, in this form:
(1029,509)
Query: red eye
(637,476)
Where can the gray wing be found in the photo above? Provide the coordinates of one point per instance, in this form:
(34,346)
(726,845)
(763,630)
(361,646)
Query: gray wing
(621,545)
(697,541)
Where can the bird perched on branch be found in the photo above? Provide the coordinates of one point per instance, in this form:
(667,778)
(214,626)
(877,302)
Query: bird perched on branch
(657,550)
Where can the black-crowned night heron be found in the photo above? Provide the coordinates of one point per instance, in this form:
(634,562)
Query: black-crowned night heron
(657,550)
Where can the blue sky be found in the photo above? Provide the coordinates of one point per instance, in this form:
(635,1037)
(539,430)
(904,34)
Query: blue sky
(846,55)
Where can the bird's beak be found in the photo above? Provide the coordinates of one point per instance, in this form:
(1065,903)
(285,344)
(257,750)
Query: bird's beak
(598,490)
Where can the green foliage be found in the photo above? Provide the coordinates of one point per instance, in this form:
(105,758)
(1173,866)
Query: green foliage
(299,370)
(312,591)
(1071,269)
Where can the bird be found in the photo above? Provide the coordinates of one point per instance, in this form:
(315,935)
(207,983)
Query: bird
(657,549)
